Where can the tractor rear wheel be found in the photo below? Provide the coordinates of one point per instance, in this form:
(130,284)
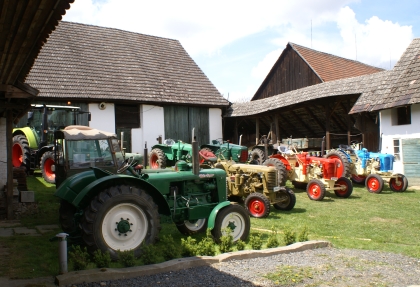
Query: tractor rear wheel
(345,184)
(47,162)
(157,159)
(257,156)
(288,203)
(299,184)
(315,189)
(374,183)
(281,169)
(121,218)
(257,205)
(344,169)
(398,184)
(234,217)
(21,153)
(359,179)
(189,227)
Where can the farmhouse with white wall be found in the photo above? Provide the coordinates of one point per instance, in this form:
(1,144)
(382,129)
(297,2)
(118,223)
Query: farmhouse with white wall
(145,86)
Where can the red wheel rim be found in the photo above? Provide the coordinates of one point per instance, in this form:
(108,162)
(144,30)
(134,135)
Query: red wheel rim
(373,184)
(358,178)
(17,155)
(342,191)
(340,168)
(256,207)
(397,183)
(153,162)
(314,190)
(47,168)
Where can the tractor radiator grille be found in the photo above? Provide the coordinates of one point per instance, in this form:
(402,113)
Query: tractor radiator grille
(271,179)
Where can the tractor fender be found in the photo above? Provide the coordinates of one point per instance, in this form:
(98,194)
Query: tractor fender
(29,134)
(83,198)
(213,214)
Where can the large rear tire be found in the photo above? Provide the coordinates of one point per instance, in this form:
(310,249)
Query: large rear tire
(236,218)
(398,184)
(288,203)
(374,183)
(47,162)
(257,205)
(189,227)
(344,169)
(345,184)
(315,189)
(21,153)
(257,156)
(280,167)
(122,218)
(157,159)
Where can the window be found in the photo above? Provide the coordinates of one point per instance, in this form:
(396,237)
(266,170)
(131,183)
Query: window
(127,116)
(401,116)
(396,149)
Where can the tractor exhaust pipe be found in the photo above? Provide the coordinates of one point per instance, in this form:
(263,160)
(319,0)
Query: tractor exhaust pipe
(145,155)
(196,165)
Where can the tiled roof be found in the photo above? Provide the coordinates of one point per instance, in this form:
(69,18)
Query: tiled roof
(330,67)
(89,62)
(348,86)
(401,87)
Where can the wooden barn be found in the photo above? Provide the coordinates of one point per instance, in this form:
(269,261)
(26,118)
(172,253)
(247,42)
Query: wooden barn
(308,94)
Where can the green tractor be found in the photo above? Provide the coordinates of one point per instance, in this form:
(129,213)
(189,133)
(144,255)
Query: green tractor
(169,152)
(121,210)
(33,140)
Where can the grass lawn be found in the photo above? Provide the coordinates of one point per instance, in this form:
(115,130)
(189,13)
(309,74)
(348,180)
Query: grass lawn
(387,222)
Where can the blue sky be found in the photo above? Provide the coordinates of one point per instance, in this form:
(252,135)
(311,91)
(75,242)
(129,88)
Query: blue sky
(236,42)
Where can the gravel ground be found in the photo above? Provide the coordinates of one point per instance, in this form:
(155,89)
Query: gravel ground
(317,267)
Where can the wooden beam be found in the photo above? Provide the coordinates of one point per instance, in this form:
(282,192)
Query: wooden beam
(282,126)
(257,130)
(315,118)
(297,118)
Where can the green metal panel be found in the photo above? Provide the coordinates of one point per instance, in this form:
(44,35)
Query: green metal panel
(180,120)
(411,155)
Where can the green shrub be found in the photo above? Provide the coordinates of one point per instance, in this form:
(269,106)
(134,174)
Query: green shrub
(169,249)
(101,259)
(79,258)
(226,240)
(289,236)
(126,258)
(206,245)
(189,246)
(240,245)
(149,254)
(303,235)
(272,241)
(255,241)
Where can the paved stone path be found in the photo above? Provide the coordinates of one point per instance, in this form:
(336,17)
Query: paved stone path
(13,227)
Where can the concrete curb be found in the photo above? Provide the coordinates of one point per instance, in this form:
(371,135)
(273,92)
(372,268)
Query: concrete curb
(105,274)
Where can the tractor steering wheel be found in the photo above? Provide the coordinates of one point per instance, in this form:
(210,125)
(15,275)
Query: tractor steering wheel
(126,164)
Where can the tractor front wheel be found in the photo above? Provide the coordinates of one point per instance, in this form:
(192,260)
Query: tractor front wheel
(257,156)
(47,162)
(121,218)
(374,183)
(398,184)
(236,219)
(280,167)
(315,189)
(189,227)
(289,201)
(346,187)
(157,159)
(257,205)
(21,154)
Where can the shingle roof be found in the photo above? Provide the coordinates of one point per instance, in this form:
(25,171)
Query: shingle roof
(330,67)
(89,62)
(402,85)
(355,85)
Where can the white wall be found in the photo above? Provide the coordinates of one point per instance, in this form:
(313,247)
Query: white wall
(215,124)
(3,154)
(103,120)
(152,126)
(390,132)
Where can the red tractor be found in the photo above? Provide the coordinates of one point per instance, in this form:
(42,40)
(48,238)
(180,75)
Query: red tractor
(317,174)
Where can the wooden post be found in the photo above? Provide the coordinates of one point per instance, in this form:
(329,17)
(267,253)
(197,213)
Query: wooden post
(257,130)
(327,127)
(277,127)
(9,145)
